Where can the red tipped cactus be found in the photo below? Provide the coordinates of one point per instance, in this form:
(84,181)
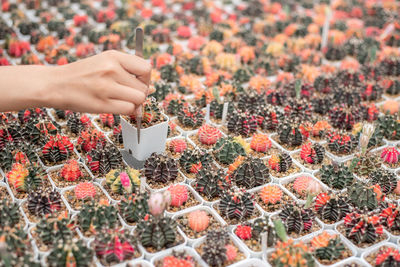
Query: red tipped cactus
(312,153)
(17,48)
(177,146)
(280,162)
(208,135)
(390,155)
(88,139)
(179,194)
(109,120)
(57,149)
(198,220)
(301,184)
(85,190)
(271,194)
(172,261)
(388,257)
(260,143)
(71,171)
(243,232)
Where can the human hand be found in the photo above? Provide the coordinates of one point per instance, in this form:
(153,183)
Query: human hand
(111,82)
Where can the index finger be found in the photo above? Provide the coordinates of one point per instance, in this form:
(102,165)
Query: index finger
(135,65)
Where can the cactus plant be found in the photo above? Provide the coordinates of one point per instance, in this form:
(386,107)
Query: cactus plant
(296,218)
(9,213)
(372,91)
(363,197)
(269,117)
(327,247)
(320,128)
(94,216)
(177,145)
(178,259)
(271,194)
(214,250)
(292,134)
(332,207)
(341,143)
(44,201)
(191,117)
(192,161)
(71,171)
(385,179)
(344,117)
(122,181)
(312,153)
(362,228)
(260,143)
(390,127)
(392,87)
(77,122)
(236,204)
(216,109)
(390,217)
(243,232)
(242,123)
(210,183)
(280,162)
(51,229)
(198,220)
(104,158)
(366,164)
(179,194)
(15,241)
(250,173)
(88,140)
(161,169)
(388,257)
(336,175)
(151,113)
(134,208)
(301,184)
(289,253)
(57,149)
(208,135)
(298,109)
(25,178)
(70,252)
(390,155)
(226,150)
(37,130)
(109,120)
(85,190)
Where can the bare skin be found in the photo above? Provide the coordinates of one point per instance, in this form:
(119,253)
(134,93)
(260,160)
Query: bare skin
(111,82)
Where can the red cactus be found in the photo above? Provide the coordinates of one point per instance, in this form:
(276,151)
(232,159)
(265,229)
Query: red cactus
(71,171)
(260,143)
(390,155)
(89,138)
(177,145)
(58,148)
(85,190)
(179,194)
(312,154)
(172,261)
(243,232)
(362,227)
(271,194)
(84,50)
(4,61)
(208,135)
(321,200)
(109,120)
(80,20)
(389,256)
(18,48)
(198,220)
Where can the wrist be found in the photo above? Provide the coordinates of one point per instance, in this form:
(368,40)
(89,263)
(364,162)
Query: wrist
(49,88)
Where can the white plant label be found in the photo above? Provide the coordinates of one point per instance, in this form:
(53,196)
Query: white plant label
(325,30)
(225,112)
(208,113)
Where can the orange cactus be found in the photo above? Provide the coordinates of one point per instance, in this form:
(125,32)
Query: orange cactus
(212,48)
(322,240)
(259,83)
(46,43)
(163,59)
(320,128)
(198,220)
(271,194)
(290,254)
(235,164)
(85,190)
(247,54)
(71,171)
(260,143)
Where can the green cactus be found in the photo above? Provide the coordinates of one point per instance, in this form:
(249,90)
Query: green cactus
(192,161)
(336,175)
(264,225)
(51,229)
(168,73)
(70,252)
(162,90)
(366,164)
(9,213)
(363,196)
(134,208)
(129,184)
(251,172)
(157,232)
(385,179)
(332,251)
(390,127)
(236,204)
(226,150)
(210,183)
(94,217)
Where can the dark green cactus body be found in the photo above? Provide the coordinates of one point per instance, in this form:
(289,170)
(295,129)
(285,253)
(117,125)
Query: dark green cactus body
(51,229)
(336,175)
(363,196)
(385,179)
(210,183)
(134,208)
(70,250)
(252,172)
(296,218)
(226,150)
(236,204)
(94,217)
(332,251)
(157,232)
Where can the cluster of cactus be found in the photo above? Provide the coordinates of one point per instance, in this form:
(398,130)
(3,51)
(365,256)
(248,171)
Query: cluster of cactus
(362,228)
(260,143)
(168,73)
(37,131)
(77,122)
(365,164)
(385,179)
(93,217)
(322,104)
(242,123)
(104,158)
(17,153)
(134,208)
(70,252)
(25,178)
(312,153)
(217,109)
(210,183)
(292,134)
(336,175)
(280,162)
(208,135)
(250,101)
(44,201)
(298,109)
(9,213)
(192,161)
(123,181)
(71,171)
(250,173)
(173,103)
(27,115)
(226,150)
(51,229)
(390,127)
(372,92)
(344,117)
(393,87)
(109,120)
(289,253)
(214,250)
(198,220)
(388,257)
(57,149)
(390,217)
(160,168)
(269,117)
(327,247)
(89,139)
(390,155)
(297,218)
(363,196)
(237,204)
(341,143)
(113,246)
(117,134)
(151,113)
(332,207)
(191,117)
(15,241)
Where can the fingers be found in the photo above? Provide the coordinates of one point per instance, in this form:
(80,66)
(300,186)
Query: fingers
(137,66)
(126,93)
(121,107)
(129,80)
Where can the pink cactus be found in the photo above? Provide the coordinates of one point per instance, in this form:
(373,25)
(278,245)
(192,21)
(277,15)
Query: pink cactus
(208,135)
(260,143)
(198,220)
(125,181)
(177,145)
(231,252)
(390,155)
(179,195)
(301,183)
(85,190)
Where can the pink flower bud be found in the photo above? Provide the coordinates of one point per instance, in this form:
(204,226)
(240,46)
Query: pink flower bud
(314,187)
(125,181)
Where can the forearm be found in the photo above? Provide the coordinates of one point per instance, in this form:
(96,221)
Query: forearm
(25,86)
